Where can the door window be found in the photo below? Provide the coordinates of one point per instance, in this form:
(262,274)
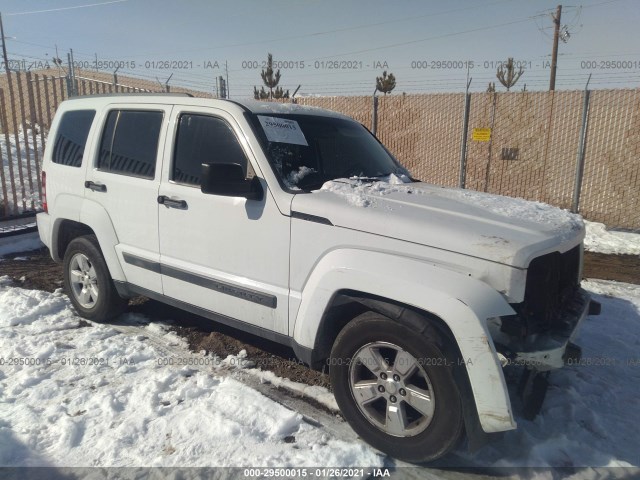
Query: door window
(130,143)
(71,137)
(205,139)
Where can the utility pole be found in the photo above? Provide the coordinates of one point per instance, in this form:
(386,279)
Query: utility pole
(115,79)
(5,58)
(72,91)
(222,87)
(554,54)
(226,84)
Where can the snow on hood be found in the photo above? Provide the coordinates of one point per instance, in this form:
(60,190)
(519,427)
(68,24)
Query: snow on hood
(503,229)
(360,193)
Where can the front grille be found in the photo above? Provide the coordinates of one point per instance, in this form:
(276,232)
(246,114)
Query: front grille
(552,282)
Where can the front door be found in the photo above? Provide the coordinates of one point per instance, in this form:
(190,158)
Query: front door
(227,255)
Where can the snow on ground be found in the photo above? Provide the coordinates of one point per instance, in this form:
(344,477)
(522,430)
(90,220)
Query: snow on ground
(122,406)
(319,394)
(19,244)
(29,194)
(601,240)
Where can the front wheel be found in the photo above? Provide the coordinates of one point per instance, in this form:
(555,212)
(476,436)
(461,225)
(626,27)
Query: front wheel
(88,283)
(396,389)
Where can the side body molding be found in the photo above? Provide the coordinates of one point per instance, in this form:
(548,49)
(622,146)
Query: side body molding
(463,303)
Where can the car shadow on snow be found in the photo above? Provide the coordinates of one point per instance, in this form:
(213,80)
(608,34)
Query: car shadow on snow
(19,462)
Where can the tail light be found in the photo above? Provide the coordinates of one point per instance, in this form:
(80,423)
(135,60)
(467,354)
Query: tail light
(45,207)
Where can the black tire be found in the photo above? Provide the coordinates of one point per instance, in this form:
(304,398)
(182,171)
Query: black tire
(428,436)
(100,300)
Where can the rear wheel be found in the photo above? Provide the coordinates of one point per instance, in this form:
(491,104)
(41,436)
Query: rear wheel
(396,388)
(88,283)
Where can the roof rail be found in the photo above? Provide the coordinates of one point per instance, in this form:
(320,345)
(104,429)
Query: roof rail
(135,94)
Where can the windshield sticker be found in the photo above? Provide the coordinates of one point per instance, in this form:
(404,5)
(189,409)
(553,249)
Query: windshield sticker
(282,130)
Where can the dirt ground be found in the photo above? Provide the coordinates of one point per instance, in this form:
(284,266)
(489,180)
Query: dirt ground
(36,270)
(621,268)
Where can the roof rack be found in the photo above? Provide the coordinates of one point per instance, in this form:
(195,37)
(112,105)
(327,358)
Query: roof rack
(135,94)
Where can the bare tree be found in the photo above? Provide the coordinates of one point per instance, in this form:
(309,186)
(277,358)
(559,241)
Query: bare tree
(508,76)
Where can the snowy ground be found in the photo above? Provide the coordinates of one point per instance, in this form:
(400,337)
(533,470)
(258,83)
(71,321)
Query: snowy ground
(601,240)
(19,243)
(107,395)
(120,404)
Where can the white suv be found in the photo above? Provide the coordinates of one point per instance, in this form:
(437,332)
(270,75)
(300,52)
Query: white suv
(297,225)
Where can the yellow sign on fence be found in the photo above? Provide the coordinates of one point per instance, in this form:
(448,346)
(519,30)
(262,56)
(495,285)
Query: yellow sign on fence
(481,134)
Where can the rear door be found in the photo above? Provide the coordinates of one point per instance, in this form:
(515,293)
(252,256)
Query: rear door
(227,255)
(124,181)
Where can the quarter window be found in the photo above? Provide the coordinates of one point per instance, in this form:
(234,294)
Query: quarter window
(130,143)
(71,138)
(205,139)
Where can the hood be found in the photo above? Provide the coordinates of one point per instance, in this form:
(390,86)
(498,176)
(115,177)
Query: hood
(506,230)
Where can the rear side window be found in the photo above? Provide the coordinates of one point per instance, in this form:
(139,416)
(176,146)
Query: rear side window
(205,139)
(129,143)
(71,137)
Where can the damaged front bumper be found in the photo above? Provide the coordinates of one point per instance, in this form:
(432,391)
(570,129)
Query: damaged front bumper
(542,352)
(553,350)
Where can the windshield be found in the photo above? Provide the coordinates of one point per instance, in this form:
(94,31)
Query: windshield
(306,151)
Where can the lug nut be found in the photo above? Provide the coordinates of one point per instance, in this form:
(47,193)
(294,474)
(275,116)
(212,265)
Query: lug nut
(396,378)
(393,399)
(381,389)
(403,392)
(383,376)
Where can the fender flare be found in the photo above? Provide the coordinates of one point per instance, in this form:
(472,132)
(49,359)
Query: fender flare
(461,302)
(96,217)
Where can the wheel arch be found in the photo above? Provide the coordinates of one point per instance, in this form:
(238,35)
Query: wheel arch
(415,319)
(65,231)
(412,291)
(93,220)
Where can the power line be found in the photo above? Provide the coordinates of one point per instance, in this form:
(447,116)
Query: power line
(65,8)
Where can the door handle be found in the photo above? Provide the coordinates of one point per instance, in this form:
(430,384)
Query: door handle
(172,202)
(96,187)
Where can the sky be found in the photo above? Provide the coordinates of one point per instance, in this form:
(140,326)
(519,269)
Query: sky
(332,47)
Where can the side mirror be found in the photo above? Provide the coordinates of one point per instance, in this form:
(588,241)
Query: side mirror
(227,179)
